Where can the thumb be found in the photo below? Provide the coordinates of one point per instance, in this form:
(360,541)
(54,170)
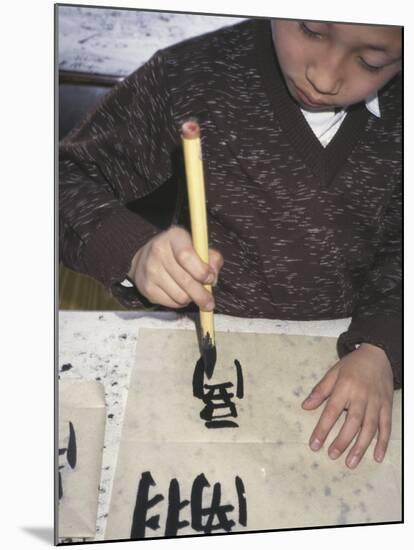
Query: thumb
(322,390)
(215,260)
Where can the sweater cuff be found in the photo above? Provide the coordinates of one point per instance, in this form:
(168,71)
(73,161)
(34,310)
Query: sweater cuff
(108,253)
(386,333)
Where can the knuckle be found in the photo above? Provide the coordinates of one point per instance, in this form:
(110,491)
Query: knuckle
(195,291)
(151,270)
(347,386)
(370,425)
(176,230)
(333,409)
(354,417)
(187,282)
(184,255)
(173,230)
(157,249)
(182,299)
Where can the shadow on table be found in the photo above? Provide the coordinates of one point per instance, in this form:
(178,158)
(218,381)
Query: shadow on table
(42,533)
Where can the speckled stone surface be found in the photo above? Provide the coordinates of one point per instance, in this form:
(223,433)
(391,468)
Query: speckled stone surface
(117,41)
(102,346)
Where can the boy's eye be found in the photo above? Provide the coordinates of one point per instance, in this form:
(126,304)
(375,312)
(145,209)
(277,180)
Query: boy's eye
(309,32)
(368,67)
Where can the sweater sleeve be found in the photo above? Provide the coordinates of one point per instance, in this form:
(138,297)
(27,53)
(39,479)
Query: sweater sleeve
(377,318)
(121,152)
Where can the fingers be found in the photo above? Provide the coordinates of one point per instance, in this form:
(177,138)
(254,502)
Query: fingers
(384,433)
(159,296)
(360,426)
(185,256)
(168,271)
(322,390)
(366,435)
(157,285)
(349,430)
(330,415)
(193,289)
(216,261)
(360,384)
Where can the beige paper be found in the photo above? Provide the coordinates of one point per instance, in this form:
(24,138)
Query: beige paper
(268,477)
(81,436)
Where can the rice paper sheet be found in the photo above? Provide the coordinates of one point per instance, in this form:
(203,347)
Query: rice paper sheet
(230,453)
(81,438)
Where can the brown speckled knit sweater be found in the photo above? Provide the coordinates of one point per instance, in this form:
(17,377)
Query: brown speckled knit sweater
(306,232)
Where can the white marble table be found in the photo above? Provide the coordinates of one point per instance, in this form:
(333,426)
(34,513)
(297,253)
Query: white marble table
(102,346)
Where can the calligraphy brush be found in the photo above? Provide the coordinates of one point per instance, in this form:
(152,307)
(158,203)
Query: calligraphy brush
(190,134)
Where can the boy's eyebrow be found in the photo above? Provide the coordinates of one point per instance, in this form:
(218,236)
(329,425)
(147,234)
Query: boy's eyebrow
(377,48)
(385,50)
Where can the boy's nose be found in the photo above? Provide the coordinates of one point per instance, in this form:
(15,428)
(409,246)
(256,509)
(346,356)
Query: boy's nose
(325,79)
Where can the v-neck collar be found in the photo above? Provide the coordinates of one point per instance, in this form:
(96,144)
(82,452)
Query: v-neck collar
(323,161)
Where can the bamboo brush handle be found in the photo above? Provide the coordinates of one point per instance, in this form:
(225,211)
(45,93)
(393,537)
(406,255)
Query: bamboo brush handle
(197,202)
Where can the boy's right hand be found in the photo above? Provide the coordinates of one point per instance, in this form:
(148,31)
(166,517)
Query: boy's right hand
(168,272)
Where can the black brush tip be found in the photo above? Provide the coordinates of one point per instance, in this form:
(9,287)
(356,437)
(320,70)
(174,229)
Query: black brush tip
(209,354)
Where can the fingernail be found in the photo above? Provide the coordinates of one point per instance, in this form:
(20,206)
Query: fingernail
(353,462)
(379,457)
(315,445)
(334,453)
(210,306)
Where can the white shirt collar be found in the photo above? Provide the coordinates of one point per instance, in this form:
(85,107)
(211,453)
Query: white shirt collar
(325,124)
(372,104)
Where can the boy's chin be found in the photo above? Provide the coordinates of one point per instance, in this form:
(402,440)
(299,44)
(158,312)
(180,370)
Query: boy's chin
(316,108)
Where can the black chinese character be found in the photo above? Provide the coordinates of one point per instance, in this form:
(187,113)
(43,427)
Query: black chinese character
(71,455)
(204,519)
(143,504)
(216,397)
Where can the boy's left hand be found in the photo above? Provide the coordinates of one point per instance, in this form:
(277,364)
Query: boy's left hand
(361,383)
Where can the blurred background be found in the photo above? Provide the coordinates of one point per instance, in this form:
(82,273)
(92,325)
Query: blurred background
(96,49)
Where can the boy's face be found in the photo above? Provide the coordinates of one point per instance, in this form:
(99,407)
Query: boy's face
(329,65)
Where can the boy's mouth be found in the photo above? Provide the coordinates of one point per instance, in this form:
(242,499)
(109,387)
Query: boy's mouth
(308,101)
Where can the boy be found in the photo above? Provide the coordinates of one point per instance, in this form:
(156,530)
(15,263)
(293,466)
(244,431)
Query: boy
(303,172)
